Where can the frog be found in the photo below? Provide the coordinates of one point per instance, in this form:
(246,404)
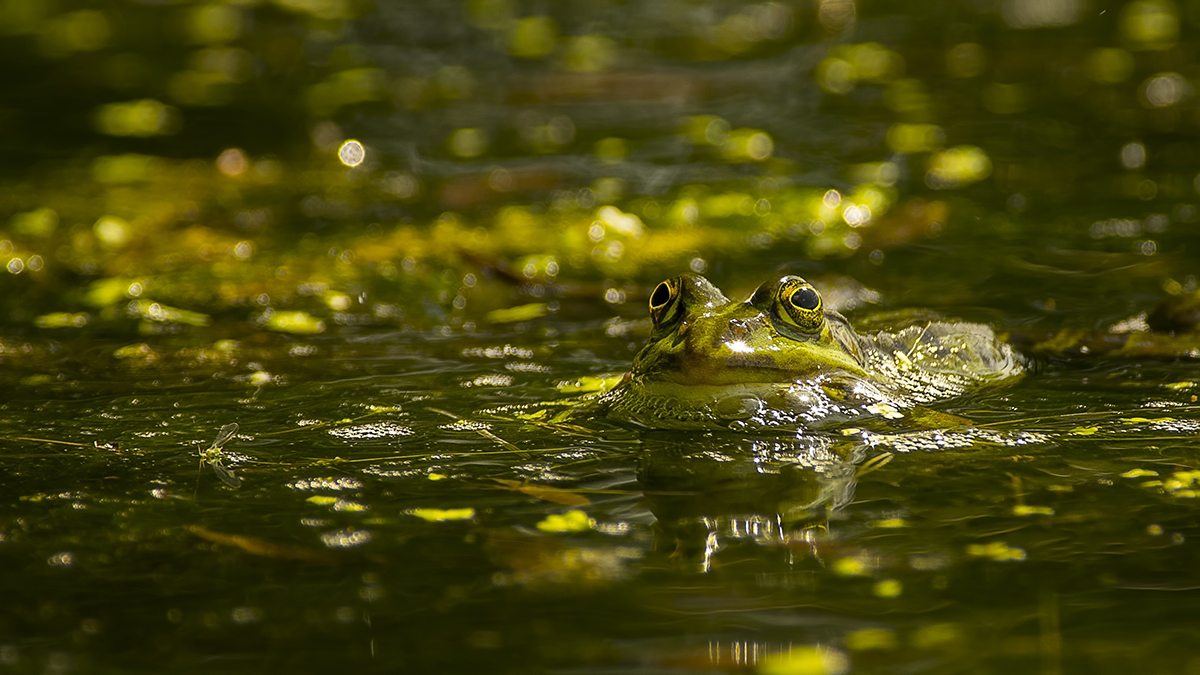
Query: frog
(780,358)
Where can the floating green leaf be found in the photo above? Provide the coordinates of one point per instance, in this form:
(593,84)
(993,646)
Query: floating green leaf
(589,384)
(442,515)
(156,311)
(571,521)
(527,312)
(301,323)
(63,320)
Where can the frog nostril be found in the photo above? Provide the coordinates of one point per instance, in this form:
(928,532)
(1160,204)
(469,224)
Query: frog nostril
(738,330)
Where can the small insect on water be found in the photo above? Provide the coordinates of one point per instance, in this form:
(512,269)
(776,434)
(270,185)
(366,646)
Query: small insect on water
(214,457)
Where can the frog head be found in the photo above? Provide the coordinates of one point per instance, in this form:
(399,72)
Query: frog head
(781,333)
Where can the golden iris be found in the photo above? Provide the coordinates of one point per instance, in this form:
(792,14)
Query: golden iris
(801,305)
(664,305)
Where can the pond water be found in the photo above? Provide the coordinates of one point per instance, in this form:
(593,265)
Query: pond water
(187,247)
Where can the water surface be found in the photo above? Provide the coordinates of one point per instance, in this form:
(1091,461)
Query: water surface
(185,248)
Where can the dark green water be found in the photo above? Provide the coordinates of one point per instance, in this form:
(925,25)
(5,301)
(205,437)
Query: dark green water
(702,551)
(175,221)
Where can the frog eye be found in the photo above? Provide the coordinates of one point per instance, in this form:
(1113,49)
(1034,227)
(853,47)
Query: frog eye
(801,305)
(664,302)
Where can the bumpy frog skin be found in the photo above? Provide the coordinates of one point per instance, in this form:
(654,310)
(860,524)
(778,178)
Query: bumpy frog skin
(780,358)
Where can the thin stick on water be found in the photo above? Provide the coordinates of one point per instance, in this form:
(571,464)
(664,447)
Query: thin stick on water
(481,431)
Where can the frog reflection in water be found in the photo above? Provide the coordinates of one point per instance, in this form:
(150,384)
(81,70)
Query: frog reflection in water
(780,362)
(780,358)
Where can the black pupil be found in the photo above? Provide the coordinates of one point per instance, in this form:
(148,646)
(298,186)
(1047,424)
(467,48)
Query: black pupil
(661,295)
(805,298)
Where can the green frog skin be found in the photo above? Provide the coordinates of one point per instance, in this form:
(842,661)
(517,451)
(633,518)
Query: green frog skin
(779,358)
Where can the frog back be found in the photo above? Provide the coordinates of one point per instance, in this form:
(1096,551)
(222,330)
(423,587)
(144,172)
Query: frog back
(924,363)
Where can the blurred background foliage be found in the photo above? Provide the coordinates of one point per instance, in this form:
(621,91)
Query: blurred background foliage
(167,163)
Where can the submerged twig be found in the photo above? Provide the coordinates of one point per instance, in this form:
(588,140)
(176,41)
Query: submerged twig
(50,440)
(481,431)
(483,453)
(261,547)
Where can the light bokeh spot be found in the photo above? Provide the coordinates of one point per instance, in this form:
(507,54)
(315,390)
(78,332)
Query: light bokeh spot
(1109,65)
(1042,13)
(1133,156)
(468,143)
(533,37)
(1150,24)
(966,59)
(232,162)
(142,118)
(1164,89)
(912,138)
(352,153)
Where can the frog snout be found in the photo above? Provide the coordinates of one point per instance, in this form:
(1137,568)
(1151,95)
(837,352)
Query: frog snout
(744,330)
(737,330)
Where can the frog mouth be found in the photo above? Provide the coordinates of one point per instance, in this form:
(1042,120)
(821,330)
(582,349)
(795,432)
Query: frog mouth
(731,367)
(735,361)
